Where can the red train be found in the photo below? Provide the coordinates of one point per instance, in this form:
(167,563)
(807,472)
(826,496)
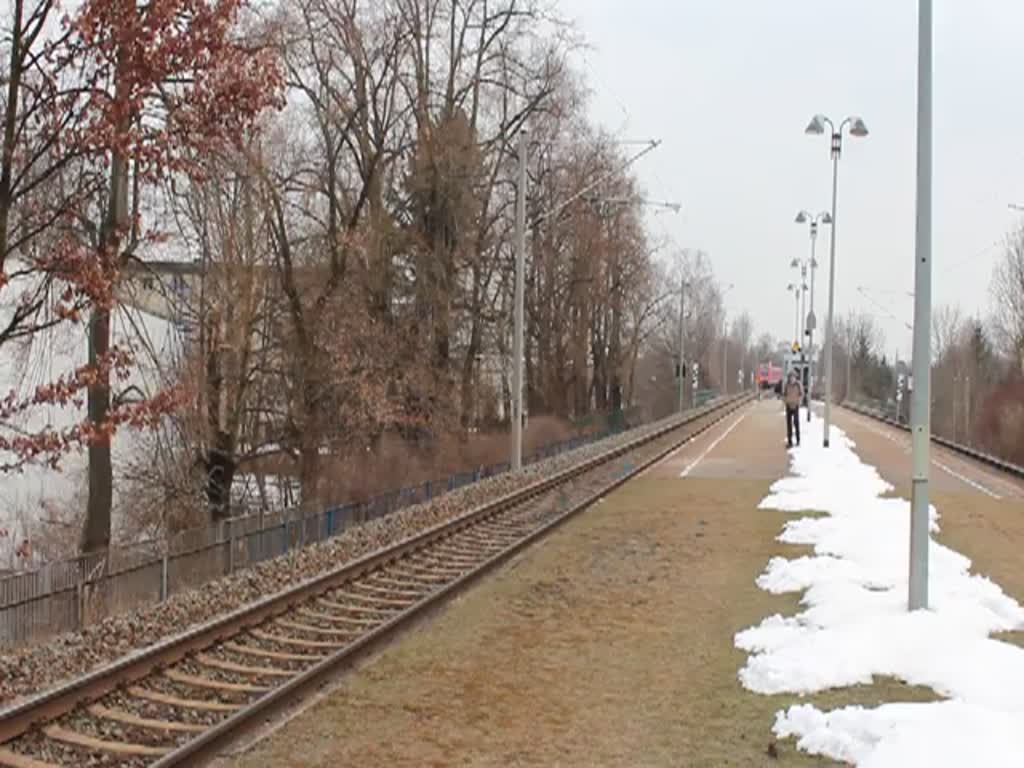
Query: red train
(768,376)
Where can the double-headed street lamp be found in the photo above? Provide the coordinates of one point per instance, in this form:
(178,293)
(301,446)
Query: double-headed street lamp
(855,127)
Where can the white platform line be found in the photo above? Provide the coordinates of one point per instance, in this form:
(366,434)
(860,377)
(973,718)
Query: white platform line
(964,479)
(670,456)
(711,447)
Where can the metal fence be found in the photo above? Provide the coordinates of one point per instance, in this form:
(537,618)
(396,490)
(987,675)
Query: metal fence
(67,595)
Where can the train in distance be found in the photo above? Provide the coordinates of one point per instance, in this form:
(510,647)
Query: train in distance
(768,376)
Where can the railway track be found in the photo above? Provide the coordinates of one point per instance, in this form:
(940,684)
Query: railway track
(181,701)
(972,453)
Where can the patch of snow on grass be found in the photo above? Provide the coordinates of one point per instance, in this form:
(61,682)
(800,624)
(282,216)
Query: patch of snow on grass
(855,625)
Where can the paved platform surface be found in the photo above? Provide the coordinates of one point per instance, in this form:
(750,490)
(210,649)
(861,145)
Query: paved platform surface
(611,642)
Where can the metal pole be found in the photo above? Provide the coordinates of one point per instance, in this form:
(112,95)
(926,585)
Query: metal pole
(837,138)
(849,366)
(796,314)
(896,383)
(803,303)
(967,410)
(682,341)
(956,404)
(164,569)
(725,356)
(810,338)
(920,412)
(804,378)
(517,337)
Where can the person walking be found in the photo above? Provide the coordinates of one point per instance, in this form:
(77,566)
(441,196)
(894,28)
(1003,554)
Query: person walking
(793,395)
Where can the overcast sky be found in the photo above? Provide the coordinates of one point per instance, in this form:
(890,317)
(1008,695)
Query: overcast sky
(730,85)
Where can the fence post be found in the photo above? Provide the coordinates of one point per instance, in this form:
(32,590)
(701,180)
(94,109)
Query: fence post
(79,603)
(163,576)
(284,530)
(231,544)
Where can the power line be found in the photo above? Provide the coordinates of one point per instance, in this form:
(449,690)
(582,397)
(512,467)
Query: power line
(883,308)
(650,147)
(969,259)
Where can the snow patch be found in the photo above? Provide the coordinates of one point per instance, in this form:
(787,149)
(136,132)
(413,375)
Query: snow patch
(855,626)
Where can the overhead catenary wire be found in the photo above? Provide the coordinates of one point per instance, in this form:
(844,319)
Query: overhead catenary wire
(883,308)
(969,259)
(650,147)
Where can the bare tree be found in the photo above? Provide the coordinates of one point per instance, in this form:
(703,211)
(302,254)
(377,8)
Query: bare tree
(1008,297)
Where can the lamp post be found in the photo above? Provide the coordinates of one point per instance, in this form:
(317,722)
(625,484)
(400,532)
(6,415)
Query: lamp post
(856,127)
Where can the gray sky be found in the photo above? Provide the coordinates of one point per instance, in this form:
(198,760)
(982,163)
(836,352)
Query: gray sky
(729,85)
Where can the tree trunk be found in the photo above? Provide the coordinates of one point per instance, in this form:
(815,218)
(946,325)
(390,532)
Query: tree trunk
(96,531)
(309,449)
(309,473)
(220,475)
(467,390)
(10,123)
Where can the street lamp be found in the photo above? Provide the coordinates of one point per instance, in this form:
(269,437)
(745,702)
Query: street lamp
(856,127)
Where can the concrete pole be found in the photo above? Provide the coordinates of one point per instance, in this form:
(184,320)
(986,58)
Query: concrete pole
(682,342)
(517,337)
(837,138)
(920,411)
